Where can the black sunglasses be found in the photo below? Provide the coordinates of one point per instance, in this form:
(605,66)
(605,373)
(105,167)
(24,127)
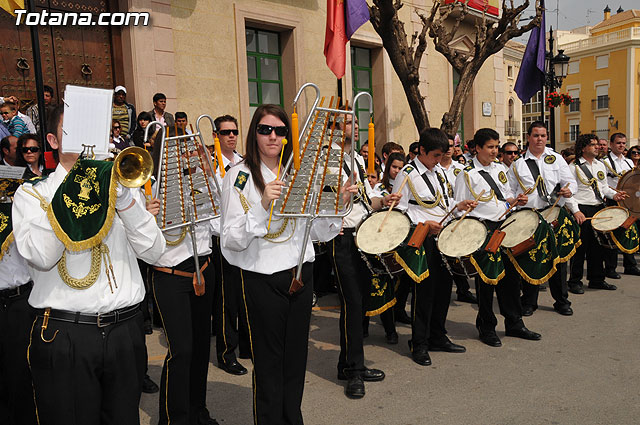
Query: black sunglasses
(265,130)
(228,132)
(511,152)
(635,152)
(32,149)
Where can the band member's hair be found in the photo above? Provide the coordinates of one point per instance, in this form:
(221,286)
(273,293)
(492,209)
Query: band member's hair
(252,152)
(536,124)
(483,135)
(225,118)
(53,120)
(394,156)
(451,137)
(614,136)
(389,147)
(503,147)
(181,115)
(583,141)
(433,139)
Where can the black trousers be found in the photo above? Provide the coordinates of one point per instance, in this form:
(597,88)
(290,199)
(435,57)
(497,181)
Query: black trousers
(87,375)
(589,249)
(611,260)
(387,318)
(16,390)
(186,319)
(431,299)
(230,317)
(462,284)
(354,282)
(402,293)
(279,331)
(557,286)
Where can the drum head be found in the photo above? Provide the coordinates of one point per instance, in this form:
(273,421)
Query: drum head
(550,214)
(525,225)
(630,183)
(615,217)
(467,239)
(394,232)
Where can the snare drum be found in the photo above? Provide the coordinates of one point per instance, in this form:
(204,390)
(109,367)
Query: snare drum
(520,228)
(605,221)
(395,231)
(457,248)
(551,215)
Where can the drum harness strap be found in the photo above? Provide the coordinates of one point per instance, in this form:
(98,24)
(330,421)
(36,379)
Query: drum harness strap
(612,167)
(361,173)
(492,185)
(431,189)
(592,181)
(539,181)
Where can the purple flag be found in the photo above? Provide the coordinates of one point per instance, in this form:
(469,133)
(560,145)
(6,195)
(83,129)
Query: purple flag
(531,76)
(356,14)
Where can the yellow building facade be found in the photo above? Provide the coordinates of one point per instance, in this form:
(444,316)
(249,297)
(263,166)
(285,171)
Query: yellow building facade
(604,77)
(226,57)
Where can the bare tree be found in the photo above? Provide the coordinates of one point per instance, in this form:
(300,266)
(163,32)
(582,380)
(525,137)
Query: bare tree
(442,25)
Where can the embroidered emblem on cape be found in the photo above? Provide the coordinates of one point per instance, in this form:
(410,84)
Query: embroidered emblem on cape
(241,180)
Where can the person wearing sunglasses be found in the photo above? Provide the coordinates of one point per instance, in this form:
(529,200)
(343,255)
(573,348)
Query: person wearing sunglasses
(509,153)
(116,137)
(278,310)
(634,155)
(30,155)
(230,318)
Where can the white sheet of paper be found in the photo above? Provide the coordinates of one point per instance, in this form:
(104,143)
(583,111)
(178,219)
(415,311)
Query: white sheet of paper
(87,119)
(11,172)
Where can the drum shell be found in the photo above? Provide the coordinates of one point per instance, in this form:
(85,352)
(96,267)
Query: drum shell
(604,237)
(526,244)
(360,226)
(462,265)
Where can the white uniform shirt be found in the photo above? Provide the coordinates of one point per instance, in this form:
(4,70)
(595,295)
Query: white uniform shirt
(452,171)
(470,183)
(553,170)
(226,164)
(585,195)
(417,213)
(359,211)
(616,167)
(242,240)
(134,233)
(13,269)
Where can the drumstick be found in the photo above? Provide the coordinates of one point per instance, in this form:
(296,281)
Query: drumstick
(597,218)
(284,142)
(448,214)
(393,204)
(619,191)
(526,192)
(555,203)
(467,212)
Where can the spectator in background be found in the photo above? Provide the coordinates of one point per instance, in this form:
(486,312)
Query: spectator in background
(364,152)
(8,146)
(137,137)
(414,151)
(29,154)
(634,155)
(374,177)
(33,111)
(569,154)
(14,123)
(116,138)
(387,149)
(123,112)
(509,153)
(30,127)
(158,112)
(603,148)
(182,122)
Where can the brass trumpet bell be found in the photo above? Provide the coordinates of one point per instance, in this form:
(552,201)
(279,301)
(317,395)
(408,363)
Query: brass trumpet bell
(133,166)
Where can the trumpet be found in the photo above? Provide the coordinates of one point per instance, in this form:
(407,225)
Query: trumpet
(133,166)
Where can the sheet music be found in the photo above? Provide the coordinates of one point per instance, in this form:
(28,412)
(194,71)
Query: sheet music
(11,172)
(87,119)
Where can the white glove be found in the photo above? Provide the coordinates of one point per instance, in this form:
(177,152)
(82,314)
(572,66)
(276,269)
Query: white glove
(125,197)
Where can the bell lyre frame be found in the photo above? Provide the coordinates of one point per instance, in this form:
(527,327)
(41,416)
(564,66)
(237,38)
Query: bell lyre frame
(314,190)
(179,156)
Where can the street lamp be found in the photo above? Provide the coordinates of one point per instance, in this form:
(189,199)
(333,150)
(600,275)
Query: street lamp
(557,68)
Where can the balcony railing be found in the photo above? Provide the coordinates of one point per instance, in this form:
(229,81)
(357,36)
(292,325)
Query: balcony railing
(573,106)
(602,40)
(511,128)
(602,134)
(601,102)
(570,136)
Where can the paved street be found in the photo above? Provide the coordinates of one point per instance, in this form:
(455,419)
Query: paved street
(585,370)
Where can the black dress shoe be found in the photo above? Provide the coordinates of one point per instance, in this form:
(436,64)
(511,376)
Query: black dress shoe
(491,339)
(612,274)
(402,317)
(467,297)
(392,338)
(523,333)
(576,289)
(527,310)
(602,285)
(234,368)
(634,271)
(354,387)
(205,419)
(148,386)
(372,375)
(564,309)
(421,356)
(447,347)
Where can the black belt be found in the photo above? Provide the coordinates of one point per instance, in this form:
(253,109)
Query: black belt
(17,291)
(101,320)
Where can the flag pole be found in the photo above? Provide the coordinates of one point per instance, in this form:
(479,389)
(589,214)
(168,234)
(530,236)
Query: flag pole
(37,73)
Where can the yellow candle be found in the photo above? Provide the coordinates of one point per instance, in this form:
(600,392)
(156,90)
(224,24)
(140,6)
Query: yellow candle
(372,150)
(216,144)
(296,142)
